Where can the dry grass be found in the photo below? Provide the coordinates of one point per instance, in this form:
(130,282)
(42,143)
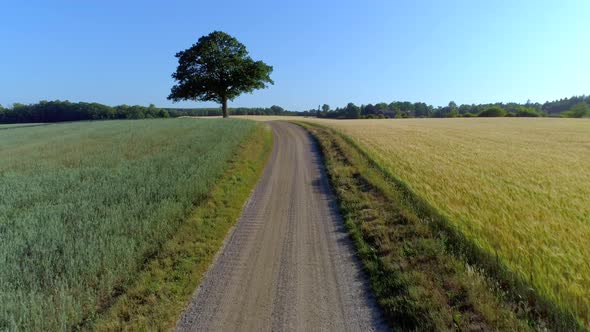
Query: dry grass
(519,188)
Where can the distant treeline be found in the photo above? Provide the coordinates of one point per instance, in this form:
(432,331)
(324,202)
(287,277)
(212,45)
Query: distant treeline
(576,106)
(60,111)
(273,110)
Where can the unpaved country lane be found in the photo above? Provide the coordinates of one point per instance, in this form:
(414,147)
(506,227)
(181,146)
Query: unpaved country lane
(288,264)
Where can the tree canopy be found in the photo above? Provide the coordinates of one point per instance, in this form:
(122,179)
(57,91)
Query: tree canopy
(580,110)
(217,68)
(58,111)
(492,112)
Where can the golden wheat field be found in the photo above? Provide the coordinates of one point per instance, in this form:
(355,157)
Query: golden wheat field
(517,187)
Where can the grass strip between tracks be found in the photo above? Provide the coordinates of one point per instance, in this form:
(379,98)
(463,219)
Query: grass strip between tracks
(424,275)
(163,288)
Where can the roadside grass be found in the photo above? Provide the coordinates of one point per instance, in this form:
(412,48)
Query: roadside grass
(425,274)
(85,206)
(163,288)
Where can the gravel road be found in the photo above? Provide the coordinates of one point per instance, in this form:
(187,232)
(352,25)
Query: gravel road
(288,264)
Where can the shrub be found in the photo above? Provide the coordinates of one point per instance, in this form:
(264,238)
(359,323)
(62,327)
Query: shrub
(580,110)
(453,113)
(527,112)
(493,112)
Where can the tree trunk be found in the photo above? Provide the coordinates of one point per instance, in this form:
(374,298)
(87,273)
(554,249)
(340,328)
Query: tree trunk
(224,107)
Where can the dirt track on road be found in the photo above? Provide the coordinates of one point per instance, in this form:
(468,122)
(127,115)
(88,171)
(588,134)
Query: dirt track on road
(288,264)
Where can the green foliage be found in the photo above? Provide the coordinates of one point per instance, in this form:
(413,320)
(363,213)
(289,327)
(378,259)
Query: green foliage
(492,112)
(405,109)
(60,111)
(530,112)
(216,111)
(381,107)
(217,68)
(351,111)
(564,104)
(580,110)
(277,109)
(84,205)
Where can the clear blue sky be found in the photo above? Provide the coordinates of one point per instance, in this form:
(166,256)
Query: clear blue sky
(333,52)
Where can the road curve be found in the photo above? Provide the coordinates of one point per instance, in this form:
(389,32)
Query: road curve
(288,265)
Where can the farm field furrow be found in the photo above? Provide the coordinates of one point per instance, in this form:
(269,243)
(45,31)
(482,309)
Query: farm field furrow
(518,188)
(83,205)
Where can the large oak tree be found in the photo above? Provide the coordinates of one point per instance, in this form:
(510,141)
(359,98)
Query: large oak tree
(217,68)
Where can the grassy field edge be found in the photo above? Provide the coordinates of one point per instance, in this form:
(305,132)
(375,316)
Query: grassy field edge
(372,183)
(165,285)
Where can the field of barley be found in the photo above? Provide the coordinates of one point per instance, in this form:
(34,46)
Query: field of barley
(519,188)
(83,205)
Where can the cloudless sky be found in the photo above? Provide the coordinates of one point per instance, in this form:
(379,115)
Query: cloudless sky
(335,52)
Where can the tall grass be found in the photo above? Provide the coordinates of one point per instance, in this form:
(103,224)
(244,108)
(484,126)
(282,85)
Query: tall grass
(517,188)
(83,205)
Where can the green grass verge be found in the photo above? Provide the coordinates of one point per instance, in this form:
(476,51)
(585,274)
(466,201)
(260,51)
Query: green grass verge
(424,275)
(163,288)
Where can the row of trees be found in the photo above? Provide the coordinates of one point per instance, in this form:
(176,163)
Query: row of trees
(565,104)
(59,111)
(580,110)
(273,110)
(568,107)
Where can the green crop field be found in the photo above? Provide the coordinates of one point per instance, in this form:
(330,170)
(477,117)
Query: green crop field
(517,188)
(83,205)
(20,125)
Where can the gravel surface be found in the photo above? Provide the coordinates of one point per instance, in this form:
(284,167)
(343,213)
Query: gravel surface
(288,263)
